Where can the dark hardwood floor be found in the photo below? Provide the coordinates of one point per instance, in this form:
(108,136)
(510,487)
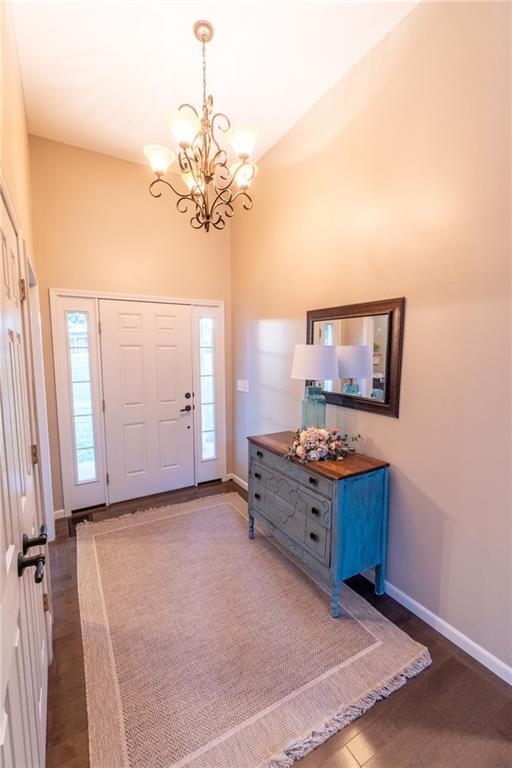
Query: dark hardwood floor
(456,714)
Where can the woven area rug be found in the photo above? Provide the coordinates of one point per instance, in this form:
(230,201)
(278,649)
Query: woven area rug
(208,650)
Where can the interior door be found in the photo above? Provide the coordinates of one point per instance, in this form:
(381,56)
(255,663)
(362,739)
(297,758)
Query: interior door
(146,354)
(23,645)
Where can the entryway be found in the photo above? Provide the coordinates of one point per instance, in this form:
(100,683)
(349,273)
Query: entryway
(140,393)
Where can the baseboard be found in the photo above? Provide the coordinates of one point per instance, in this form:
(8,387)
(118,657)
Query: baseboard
(237,480)
(496,665)
(58,513)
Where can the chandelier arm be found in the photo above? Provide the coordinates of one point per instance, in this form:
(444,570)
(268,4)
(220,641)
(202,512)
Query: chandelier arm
(224,175)
(198,225)
(219,224)
(229,210)
(185,199)
(187,161)
(187,164)
(220,200)
(232,177)
(248,204)
(199,217)
(159,180)
(219,116)
(216,158)
(189,106)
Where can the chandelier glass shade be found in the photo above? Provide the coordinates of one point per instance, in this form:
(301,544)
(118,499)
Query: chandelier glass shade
(211,184)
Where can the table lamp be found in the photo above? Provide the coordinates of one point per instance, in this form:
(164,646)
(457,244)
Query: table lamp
(314,362)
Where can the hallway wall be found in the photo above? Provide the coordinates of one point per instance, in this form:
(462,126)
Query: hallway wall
(397,183)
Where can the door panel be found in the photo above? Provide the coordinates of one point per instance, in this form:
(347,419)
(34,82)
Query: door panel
(146,351)
(24,655)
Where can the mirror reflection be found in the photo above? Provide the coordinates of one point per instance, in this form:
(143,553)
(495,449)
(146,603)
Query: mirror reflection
(362,350)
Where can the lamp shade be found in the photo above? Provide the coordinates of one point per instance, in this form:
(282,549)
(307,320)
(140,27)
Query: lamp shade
(160,158)
(314,362)
(243,138)
(355,361)
(184,125)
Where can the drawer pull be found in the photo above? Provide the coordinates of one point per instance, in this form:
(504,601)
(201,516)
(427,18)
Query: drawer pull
(313,536)
(259,454)
(257,475)
(313,481)
(257,495)
(315,511)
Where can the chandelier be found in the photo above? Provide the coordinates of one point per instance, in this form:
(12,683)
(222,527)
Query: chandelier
(211,185)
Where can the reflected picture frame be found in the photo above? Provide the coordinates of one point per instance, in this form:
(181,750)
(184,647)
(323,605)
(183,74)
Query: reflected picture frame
(395,310)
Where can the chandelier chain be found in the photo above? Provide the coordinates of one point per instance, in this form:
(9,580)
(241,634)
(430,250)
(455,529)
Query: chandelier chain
(204,71)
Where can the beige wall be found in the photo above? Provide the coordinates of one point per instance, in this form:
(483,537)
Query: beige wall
(397,183)
(14,163)
(97,228)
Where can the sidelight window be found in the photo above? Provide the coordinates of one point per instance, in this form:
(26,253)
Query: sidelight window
(77,327)
(207,377)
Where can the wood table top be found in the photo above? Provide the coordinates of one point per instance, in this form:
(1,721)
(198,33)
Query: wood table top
(353,464)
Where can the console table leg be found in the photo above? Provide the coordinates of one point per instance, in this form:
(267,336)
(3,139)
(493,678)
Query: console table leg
(251,526)
(379,580)
(335,600)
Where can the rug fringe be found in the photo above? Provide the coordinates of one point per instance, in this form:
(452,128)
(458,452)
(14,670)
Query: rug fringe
(302,747)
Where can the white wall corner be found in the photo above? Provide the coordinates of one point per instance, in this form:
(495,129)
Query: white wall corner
(237,480)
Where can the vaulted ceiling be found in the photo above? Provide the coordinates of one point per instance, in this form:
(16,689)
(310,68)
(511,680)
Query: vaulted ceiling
(105,75)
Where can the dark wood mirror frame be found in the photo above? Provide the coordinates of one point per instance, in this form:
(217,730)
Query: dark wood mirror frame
(395,309)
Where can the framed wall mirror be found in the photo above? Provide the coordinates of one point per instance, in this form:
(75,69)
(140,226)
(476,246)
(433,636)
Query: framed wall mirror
(368,338)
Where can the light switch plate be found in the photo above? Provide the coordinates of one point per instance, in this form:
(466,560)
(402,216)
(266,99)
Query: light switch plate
(242,385)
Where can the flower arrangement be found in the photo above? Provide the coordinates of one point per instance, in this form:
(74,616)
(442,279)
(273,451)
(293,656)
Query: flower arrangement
(318,444)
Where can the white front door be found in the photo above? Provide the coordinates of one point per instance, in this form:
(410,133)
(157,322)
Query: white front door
(23,644)
(146,354)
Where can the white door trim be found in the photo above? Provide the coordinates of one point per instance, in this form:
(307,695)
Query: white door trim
(58,293)
(134,297)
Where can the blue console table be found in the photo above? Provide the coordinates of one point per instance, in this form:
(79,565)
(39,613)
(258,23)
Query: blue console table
(332,515)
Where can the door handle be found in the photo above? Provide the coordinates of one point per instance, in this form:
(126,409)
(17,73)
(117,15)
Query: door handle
(37,562)
(186,409)
(37,541)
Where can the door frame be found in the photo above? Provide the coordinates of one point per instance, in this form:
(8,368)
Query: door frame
(58,293)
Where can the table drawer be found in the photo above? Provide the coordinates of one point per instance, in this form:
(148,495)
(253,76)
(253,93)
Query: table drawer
(318,509)
(258,473)
(315,482)
(273,461)
(257,495)
(318,540)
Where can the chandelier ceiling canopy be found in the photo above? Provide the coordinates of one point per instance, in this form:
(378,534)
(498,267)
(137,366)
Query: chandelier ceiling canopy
(210,182)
